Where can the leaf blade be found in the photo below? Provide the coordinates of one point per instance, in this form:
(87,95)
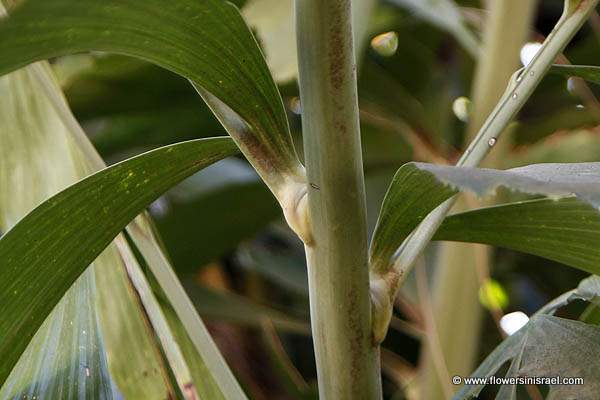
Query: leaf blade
(565,230)
(418,188)
(206,42)
(81,343)
(34,244)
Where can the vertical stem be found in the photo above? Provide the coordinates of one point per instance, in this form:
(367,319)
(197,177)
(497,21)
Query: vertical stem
(347,360)
(455,300)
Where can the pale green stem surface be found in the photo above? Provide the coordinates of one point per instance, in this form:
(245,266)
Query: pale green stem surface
(456,282)
(520,87)
(347,360)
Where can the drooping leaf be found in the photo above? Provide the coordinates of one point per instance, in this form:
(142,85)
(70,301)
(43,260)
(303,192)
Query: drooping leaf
(206,41)
(130,105)
(566,230)
(128,363)
(549,346)
(47,251)
(98,326)
(419,188)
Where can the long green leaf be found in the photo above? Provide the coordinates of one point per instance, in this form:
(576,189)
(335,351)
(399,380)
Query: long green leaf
(205,41)
(48,250)
(97,328)
(419,188)
(137,371)
(567,230)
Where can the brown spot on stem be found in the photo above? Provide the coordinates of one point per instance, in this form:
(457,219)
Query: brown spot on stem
(338,46)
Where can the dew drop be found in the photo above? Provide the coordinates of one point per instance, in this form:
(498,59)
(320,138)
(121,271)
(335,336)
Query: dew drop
(492,142)
(532,73)
(515,96)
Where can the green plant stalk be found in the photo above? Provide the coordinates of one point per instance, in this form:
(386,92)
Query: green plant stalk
(347,359)
(456,282)
(385,285)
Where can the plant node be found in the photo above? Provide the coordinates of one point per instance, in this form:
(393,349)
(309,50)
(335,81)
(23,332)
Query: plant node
(293,199)
(381,307)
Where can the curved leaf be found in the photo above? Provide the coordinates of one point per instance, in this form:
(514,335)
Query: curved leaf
(411,196)
(419,188)
(566,230)
(48,249)
(98,324)
(205,41)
